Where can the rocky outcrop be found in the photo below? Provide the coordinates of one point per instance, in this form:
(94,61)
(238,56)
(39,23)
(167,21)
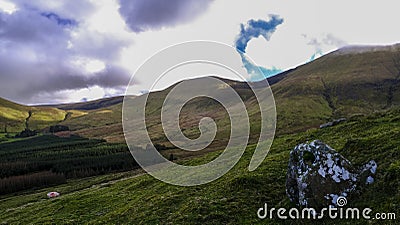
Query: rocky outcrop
(317,175)
(332,123)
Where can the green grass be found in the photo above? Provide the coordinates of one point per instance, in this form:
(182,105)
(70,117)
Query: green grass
(337,85)
(330,87)
(13,116)
(71,157)
(333,86)
(232,199)
(44,117)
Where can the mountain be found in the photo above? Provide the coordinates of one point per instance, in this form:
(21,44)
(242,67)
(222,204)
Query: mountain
(15,117)
(350,81)
(90,105)
(345,83)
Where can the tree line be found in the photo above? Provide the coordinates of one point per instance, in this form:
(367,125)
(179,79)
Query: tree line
(47,160)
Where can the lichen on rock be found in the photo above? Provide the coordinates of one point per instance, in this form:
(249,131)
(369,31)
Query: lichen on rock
(317,175)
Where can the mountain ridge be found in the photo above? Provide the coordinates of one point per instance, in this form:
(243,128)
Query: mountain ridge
(349,81)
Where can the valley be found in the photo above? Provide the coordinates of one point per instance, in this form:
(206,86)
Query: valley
(79,149)
(133,197)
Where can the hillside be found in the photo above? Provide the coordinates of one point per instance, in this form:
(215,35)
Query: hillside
(95,122)
(90,105)
(347,82)
(359,83)
(15,117)
(350,81)
(132,198)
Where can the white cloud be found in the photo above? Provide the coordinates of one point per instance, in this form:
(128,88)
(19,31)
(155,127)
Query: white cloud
(78,95)
(7,6)
(91,66)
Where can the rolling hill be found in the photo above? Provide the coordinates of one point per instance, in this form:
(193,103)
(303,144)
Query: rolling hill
(90,105)
(136,198)
(347,82)
(360,83)
(350,81)
(15,117)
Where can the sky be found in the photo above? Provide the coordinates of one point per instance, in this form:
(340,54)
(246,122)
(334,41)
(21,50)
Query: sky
(78,50)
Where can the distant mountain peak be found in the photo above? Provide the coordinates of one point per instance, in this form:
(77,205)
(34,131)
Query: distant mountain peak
(359,49)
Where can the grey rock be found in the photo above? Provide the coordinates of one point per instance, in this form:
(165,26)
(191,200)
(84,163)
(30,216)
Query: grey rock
(332,123)
(317,175)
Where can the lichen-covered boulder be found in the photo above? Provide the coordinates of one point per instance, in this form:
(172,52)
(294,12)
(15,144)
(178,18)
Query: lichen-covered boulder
(317,175)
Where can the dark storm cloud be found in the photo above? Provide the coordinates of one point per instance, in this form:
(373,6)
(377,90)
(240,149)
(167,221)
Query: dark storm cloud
(142,15)
(27,27)
(103,46)
(36,55)
(255,29)
(111,77)
(76,9)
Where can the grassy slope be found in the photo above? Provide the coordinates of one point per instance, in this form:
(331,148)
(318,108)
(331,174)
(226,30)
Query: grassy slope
(343,83)
(94,123)
(232,199)
(14,115)
(88,123)
(90,105)
(340,84)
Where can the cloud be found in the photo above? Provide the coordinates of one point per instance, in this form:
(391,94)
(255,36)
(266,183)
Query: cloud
(59,20)
(255,29)
(85,94)
(77,9)
(256,72)
(143,15)
(48,49)
(323,43)
(43,53)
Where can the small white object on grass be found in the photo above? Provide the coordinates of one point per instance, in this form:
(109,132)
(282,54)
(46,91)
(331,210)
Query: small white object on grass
(53,194)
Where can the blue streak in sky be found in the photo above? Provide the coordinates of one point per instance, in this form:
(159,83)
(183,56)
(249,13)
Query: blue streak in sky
(255,29)
(60,21)
(315,55)
(258,73)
